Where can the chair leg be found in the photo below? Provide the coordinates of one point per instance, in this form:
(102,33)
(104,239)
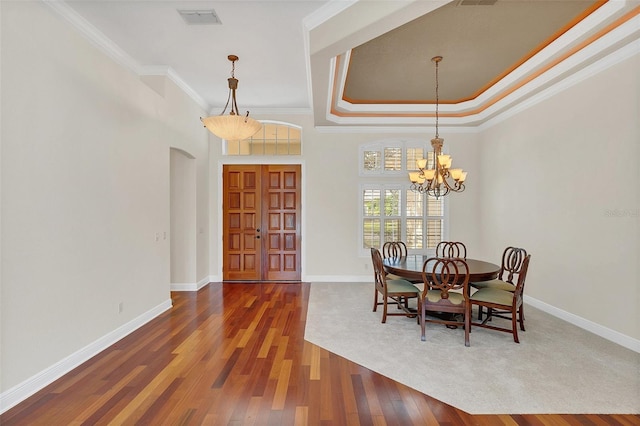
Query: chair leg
(479,313)
(375,301)
(422,322)
(467,325)
(521,316)
(514,327)
(384,310)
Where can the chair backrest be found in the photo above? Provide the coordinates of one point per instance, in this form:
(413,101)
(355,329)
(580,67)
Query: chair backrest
(512,262)
(522,275)
(394,249)
(451,249)
(446,274)
(379,275)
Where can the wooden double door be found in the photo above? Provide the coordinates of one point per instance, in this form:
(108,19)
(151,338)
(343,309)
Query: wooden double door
(261,223)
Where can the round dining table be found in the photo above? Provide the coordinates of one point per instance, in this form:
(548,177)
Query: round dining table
(410,267)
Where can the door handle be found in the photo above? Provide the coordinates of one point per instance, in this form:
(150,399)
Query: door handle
(258,230)
(258,237)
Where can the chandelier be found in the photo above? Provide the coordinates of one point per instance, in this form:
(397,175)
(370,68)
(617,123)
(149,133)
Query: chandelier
(232,127)
(437,181)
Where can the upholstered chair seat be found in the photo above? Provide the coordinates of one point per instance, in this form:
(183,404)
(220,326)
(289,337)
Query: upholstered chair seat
(434,296)
(399,285)
(493,295)
(496,284)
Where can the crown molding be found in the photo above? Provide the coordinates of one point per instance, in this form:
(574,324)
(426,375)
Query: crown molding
(395,129)
(608,61)
(171,74)
(93,35)
(326,12)
(267,111)
(116,53)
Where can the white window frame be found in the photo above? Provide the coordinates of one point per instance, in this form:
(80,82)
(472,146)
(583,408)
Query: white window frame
(393,179)
(225,148)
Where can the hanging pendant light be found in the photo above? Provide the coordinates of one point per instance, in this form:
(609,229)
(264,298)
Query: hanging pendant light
(436,182)
(233,126)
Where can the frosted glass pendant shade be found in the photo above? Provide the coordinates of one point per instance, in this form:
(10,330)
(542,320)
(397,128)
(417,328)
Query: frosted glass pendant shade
(232,127)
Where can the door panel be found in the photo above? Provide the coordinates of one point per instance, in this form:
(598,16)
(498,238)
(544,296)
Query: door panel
(282,214)
(261,216)
(241,210)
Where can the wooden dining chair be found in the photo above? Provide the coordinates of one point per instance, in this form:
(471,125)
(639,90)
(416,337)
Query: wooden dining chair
(446,290)
(502,304)
(510,269)
(395,250)
(451,249)
(396,291)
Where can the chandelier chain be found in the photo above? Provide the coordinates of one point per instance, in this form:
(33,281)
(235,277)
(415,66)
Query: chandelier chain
(435,181)
(437,100)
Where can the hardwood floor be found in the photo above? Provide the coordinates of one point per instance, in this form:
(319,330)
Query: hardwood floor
(235,354)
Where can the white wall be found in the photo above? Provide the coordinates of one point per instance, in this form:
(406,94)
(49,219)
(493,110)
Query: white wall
(561,180)
(185,132)
(331,197)
(85,189)
(183,219)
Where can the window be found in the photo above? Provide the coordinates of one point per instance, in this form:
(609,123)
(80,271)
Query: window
(390,210)
(275,138)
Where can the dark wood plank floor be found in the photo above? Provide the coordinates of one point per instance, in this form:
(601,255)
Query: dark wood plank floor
(234,354)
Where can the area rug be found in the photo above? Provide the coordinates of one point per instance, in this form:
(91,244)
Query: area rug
(556,368)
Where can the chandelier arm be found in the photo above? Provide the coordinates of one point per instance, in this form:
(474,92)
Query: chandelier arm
(227,104)
(456,187)
(234,104)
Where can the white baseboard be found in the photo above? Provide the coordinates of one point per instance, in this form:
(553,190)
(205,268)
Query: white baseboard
(190,286)
(47,376)
(602,331)
(183,287)
(339,278)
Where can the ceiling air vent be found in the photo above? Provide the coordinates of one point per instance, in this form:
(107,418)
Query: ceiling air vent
(476,2)
(200,17)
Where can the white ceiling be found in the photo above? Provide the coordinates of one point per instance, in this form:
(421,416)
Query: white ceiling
(295,54)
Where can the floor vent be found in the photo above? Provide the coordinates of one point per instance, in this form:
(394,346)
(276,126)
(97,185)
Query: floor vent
(200,17)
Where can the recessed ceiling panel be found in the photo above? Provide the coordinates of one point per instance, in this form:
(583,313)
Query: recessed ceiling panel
(480,42)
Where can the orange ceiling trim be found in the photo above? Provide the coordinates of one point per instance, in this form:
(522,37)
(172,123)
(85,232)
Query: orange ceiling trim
(542,45)
(615,24)
(394,102)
